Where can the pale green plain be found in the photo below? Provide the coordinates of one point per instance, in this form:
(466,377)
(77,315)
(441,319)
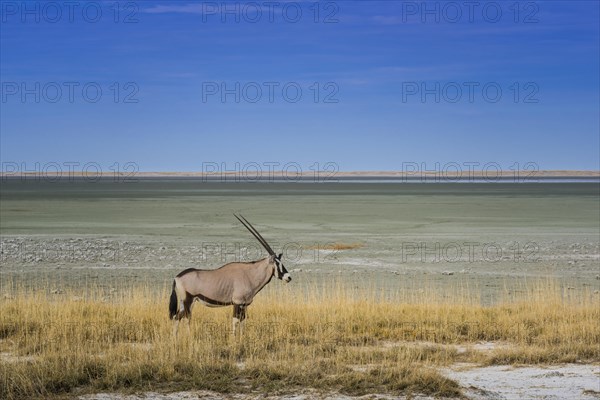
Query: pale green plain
(160,226)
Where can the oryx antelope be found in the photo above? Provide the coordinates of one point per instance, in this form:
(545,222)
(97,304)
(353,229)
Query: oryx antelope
(234,284)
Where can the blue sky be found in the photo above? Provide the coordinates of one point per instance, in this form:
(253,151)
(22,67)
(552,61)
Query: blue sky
(387,74)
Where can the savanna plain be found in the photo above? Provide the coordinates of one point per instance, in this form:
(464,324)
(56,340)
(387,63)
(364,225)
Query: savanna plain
(399,290)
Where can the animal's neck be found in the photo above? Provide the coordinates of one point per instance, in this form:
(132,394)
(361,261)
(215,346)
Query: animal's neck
(264,273)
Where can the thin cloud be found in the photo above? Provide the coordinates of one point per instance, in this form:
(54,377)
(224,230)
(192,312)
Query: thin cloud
(386,19)
(212,7)
(181,9)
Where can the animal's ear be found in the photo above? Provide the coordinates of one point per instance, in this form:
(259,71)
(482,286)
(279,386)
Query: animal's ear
(272,258)
(280,254)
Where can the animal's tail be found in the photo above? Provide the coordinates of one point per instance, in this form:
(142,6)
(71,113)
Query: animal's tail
(173,303)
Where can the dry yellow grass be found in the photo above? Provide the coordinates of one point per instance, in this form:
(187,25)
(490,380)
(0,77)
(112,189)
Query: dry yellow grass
(328,338)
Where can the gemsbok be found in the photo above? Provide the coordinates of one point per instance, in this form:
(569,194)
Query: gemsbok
(234,284)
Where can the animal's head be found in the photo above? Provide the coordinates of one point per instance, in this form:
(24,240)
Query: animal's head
(279,268)
(274,259)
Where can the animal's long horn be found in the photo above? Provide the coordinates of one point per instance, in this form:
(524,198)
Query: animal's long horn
(255,233)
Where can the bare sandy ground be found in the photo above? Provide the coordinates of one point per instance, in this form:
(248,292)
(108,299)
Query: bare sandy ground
(556,382)
(571,381)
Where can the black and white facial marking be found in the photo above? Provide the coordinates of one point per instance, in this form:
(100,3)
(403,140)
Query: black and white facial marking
(280,270)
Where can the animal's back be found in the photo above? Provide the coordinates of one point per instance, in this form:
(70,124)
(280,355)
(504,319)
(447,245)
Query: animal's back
(213,285)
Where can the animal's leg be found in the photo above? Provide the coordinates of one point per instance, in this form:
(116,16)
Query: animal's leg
(189,300)
(180,311)
(175,325)
(180,314)
(242,318)
(239,315)
(236,320)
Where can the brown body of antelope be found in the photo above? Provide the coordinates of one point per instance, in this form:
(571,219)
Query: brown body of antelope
(234,284)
